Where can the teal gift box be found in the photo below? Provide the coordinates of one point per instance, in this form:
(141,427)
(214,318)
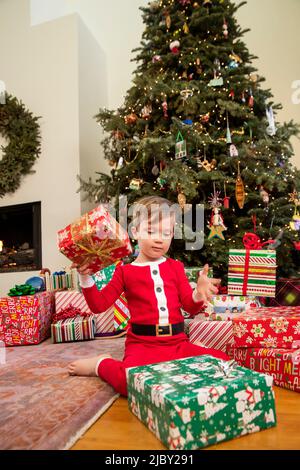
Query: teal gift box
(199,401)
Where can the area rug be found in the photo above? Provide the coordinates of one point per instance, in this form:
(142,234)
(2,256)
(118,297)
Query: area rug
(41,406)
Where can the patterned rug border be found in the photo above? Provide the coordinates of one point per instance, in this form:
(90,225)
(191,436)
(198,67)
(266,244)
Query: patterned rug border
(90,423)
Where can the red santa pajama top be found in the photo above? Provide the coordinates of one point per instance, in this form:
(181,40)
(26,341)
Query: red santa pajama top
(155,291)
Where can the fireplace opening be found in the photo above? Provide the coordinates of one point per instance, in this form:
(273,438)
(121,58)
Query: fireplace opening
(20,238)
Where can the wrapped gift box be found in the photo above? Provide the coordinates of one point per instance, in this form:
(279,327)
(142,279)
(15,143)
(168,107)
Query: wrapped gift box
(121,313)
(73,329)
(95,239)
(287,293)
(282,364)
(104,322)
(196,402)
(225,307)
(27,319)
(277,327)
(252,272)
(103,277)
(210,334)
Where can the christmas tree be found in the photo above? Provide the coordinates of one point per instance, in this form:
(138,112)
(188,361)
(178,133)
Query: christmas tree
(197,127)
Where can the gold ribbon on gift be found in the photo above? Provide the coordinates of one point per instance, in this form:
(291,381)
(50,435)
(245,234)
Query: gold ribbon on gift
(82,235)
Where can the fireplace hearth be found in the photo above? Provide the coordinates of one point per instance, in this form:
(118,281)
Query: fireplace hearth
(20,238)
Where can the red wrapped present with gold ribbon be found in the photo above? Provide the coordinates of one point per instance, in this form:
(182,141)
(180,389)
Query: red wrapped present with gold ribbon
(96,239)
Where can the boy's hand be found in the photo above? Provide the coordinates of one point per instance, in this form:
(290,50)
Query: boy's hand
(82,269)
(206,287)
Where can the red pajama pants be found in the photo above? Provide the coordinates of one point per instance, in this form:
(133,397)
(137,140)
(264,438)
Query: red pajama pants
(144,350)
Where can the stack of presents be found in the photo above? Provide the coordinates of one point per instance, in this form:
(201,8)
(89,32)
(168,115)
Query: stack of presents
(189,403)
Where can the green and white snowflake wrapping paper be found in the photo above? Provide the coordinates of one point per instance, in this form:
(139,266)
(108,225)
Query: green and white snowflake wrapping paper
(190,403)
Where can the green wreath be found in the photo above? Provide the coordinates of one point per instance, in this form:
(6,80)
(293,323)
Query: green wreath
(22,131)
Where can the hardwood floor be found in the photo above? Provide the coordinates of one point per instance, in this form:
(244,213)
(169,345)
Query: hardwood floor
(119,429)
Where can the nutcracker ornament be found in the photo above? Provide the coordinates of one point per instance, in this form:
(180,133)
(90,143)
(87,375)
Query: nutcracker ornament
(225,29)
(216,225)
(265,197)
(165,108)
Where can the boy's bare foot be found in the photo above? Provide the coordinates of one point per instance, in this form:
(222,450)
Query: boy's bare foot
(86,367)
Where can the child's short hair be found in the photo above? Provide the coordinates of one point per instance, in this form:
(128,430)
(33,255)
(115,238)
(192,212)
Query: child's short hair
(152,208)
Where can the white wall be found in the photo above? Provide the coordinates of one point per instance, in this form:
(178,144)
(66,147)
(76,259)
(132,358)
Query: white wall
(45,65)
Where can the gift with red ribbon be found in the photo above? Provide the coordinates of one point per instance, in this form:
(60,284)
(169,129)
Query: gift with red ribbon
(252,271)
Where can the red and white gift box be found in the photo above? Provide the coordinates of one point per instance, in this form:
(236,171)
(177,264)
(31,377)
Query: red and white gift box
(277,327)
(27,319)
(96,239)
(282,364)
(104,322)
(211,334)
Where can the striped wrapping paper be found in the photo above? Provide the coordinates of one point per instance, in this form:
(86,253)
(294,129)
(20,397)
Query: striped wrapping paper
(104,321)
(211,334)
(121,313)
(73,329)
(252,272)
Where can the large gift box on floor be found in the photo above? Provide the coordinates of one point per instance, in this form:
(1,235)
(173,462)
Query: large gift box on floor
(277,327)
(252,272)
(225,307)
(210,334)
(195,402)
(282,364)
(287,293)
(104,322)
(96,239)
(27,319)
(73,329)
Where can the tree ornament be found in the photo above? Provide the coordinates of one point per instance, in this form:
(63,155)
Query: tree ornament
(226,200)
(120,163)
(225,29)
(231,94)
(235,61)
(295,223)
(156,58)
(184,2)
(216,81)
(216,225)
(243,97)
(251,99)
(215,200)
(174,47)
(204,118)
(136,184)
(264,195)
(146,111)
(271,129)
(228,133)
(165,108)
(186,93)
(180,147)
(181,200)
(240,190)
(198,66)
(186,28)
(155,169)
(168,21)
(118,135)
(208,166)
(130,119)
(297,246)
(295,198)
(233,151)
(207,4)
(161,182)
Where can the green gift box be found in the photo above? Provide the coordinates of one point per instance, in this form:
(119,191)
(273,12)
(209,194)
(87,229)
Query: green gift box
(103,277)
(199,401)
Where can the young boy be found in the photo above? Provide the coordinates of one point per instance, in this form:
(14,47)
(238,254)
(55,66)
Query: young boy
(156,288)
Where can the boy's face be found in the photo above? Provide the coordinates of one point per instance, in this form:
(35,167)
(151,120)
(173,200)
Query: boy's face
(155,236)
